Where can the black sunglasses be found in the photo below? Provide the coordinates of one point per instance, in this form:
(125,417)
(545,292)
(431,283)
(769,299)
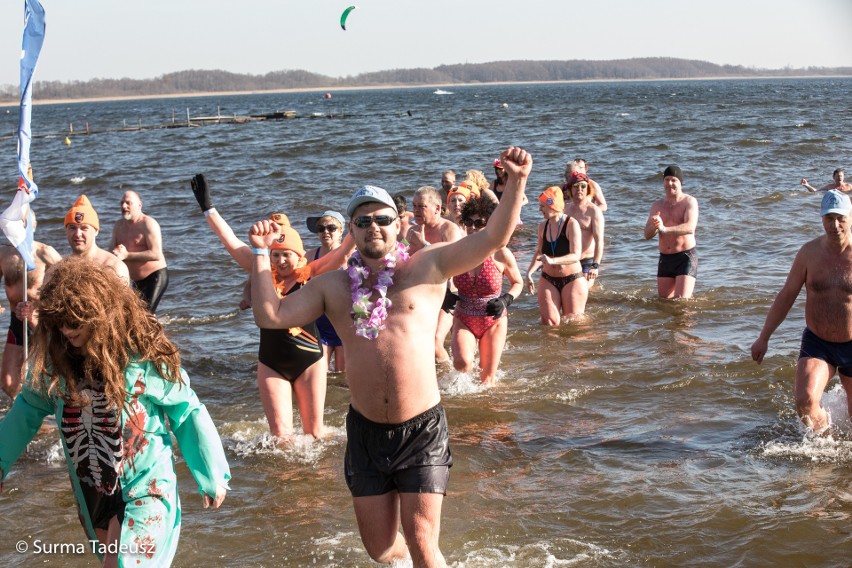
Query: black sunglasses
(365,221)
(323,228)
(478,223)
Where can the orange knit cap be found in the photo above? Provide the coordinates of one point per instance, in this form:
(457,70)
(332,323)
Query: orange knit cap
(83,213)
(552,197)
(280,219)
(289,239)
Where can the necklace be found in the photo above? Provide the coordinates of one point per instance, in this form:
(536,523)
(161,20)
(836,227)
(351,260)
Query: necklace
(554,242)
(370,316)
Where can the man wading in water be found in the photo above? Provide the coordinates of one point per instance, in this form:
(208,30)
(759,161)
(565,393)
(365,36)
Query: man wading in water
(395,414)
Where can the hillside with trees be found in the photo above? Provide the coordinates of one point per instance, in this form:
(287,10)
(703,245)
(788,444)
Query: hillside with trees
(202,81)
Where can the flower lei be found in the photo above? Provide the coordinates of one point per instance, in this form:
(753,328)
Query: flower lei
(370,316)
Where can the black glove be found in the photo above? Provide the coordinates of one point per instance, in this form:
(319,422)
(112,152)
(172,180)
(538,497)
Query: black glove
(450,300)
(201,191)
(496,306)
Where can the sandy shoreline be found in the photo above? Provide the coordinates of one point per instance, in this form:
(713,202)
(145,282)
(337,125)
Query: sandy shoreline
(396,86)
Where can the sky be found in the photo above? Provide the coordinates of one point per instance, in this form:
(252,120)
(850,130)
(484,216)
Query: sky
(141,39)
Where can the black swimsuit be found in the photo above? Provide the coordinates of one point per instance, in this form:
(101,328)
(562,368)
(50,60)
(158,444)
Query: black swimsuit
(561,247)
(287,354)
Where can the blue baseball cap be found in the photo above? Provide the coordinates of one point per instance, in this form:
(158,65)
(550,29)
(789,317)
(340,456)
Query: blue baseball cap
(312,221)
(370,194)
(835,202)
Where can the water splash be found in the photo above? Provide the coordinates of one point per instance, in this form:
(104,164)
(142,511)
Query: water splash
(254,440)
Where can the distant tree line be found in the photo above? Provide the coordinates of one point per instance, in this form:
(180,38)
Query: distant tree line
(201,81)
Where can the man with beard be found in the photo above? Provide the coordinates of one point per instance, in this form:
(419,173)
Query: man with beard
(385,309)
(136,240)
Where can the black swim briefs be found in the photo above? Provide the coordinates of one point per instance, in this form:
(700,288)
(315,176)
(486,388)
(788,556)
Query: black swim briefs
(684,263)
(835,354)
(412,457)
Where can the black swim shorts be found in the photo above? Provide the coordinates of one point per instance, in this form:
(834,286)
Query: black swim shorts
(152,287)
(835,354)
(412,457)
(683,263)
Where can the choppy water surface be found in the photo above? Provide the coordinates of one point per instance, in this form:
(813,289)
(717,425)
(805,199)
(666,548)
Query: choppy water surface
(644,436)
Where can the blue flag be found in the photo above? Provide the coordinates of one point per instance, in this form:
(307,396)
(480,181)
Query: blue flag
(17,221)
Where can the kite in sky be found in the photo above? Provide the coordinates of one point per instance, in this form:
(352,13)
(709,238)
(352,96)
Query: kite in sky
(345,15)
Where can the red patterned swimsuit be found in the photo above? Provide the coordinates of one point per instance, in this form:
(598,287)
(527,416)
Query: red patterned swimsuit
(474,293)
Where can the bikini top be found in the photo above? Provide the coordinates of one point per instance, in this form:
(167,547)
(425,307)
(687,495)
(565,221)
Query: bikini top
(562,246)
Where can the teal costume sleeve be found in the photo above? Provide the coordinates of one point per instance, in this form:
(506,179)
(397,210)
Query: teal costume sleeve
(194,430)
(21,424)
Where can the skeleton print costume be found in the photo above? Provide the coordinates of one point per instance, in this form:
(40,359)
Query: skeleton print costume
(121,462)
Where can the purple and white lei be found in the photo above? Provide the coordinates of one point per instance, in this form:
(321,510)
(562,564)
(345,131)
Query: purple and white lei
(370,316)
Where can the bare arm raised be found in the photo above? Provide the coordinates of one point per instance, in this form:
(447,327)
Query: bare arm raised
(469,252)
(238,250)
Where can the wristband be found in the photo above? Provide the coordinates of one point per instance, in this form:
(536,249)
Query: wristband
(662,230)
(594,265)
(209,212)
(260,252)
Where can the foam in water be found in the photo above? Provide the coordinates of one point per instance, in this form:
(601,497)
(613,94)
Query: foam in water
(833,447)
(255,440)
(569,552)
(77,180)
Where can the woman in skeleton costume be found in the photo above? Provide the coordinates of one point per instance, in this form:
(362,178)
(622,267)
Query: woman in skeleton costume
(104,366)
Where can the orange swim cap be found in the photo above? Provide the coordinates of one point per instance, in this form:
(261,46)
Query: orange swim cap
(289,239)
(82,212)
(552,197)
(462,189)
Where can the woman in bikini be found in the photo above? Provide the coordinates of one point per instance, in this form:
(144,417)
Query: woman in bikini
(562,290)
(328,228)
(480,317)
(290,361)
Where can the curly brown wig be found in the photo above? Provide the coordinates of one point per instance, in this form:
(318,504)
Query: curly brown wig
(481,207)
(79,293)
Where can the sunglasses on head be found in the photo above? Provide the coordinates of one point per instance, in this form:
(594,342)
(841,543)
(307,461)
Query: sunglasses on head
(365,221)
(323,228)
(478,223)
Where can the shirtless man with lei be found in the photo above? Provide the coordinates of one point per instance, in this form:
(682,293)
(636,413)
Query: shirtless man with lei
(674,218)
(824,267)
(392,378)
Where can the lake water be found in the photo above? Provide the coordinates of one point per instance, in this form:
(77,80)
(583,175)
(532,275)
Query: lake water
(644,436)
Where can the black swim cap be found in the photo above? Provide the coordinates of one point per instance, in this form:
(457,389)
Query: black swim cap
(674,171)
